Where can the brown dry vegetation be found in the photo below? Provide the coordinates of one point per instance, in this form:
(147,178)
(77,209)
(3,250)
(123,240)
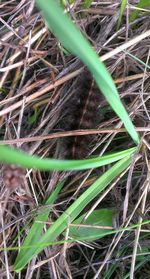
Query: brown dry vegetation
(37,81)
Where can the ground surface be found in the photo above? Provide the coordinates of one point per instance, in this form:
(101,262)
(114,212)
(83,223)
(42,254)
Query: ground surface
(37,100)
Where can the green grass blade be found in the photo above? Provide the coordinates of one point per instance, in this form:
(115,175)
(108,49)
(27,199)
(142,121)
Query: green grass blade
(12,156)
(141,5)
(137,59)
(100,217)
(73,40)
(36,230)
(122,8)
(71,213)
(87,3)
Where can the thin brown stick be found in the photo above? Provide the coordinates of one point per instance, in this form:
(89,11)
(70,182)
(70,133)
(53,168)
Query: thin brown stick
(72,134)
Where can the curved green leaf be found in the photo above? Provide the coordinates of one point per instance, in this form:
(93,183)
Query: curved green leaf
(73,40)
(12,156)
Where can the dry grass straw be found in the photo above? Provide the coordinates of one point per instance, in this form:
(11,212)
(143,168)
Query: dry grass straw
(36,74)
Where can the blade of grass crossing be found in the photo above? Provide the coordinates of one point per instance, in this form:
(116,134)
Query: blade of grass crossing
(73,40)
(12,156)
(71,213)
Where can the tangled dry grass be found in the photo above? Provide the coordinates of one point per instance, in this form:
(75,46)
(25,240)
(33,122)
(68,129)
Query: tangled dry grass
(37,78)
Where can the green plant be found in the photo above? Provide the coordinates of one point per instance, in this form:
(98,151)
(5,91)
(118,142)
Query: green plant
(139,7)
(72,39)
